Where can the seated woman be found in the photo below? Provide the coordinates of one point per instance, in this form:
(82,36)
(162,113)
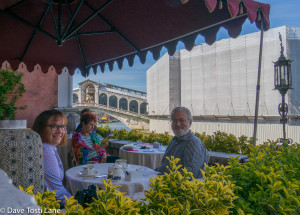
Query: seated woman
(51,125)
(87,145)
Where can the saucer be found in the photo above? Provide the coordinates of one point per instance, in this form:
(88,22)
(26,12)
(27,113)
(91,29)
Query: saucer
(88,175)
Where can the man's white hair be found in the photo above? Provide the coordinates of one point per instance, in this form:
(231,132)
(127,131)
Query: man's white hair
(180,108)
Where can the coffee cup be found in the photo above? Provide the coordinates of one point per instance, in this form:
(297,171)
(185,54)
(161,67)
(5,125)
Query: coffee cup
(122,163)
(88,169)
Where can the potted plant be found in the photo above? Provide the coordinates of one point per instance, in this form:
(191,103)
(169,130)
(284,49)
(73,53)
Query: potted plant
(11,89)
(22,151)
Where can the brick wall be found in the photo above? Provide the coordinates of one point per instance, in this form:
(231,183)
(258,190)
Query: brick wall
(40,95)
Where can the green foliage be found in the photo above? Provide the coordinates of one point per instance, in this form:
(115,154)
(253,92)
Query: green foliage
(11,89)
(223,142)
(46,201)
(112,201)
(73,207)
(102,130)
(270,181)
(135,135)
(176,193)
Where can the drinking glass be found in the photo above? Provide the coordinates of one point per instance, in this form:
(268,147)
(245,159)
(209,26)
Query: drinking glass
(110,172)
(139,143)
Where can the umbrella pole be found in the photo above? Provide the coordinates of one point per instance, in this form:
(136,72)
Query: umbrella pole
(258,79)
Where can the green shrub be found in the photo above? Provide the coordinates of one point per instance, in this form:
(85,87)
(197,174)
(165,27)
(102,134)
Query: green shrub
(176,193)
(135,135)
(223,142)
(102,130)
(270,181)
(45,200)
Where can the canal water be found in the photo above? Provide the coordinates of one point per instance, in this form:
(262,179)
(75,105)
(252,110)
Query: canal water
(115,125)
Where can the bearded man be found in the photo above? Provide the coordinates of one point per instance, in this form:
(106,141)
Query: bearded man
(185,145)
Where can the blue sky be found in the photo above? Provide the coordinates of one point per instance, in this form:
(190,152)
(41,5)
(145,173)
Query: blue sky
(282,13)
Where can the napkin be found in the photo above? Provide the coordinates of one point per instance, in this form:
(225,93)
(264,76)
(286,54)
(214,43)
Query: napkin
(133,175)
(128,146)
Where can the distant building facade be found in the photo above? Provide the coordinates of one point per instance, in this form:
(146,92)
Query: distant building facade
(218,84)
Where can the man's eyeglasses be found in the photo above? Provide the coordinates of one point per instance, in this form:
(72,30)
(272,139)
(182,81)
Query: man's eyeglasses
(56,127)
(181,121)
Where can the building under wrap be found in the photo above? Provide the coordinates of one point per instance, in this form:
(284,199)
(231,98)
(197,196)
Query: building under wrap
(218,84)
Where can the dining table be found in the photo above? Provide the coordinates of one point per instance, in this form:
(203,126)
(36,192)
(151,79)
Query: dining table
(114,145)
(77,181)
(139,155)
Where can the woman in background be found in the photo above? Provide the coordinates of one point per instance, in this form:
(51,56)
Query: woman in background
(87,145)
(51,125)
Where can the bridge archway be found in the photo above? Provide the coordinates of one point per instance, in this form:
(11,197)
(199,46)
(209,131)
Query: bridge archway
(133,106)
(75,98)
(123,104)
(143,108)
(103,99)
(89,93)
(113,101)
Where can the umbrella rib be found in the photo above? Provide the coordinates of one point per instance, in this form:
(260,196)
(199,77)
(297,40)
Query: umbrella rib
(77,38)
(90,33)
(53,18)
(13,6)
(115,29)
(34,34)
(59,41)
(81,52)
(72,17)
(23,21)
(88,19)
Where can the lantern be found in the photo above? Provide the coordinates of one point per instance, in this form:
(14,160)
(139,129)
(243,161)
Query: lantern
(282,83)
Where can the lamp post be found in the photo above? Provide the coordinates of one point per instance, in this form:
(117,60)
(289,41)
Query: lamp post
(282,83)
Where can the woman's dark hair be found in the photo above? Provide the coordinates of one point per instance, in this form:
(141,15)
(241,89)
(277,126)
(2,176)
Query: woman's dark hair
(41,121)
(88,117)
(86,110)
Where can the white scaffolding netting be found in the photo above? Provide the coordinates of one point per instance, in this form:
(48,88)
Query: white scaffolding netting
(157,91)
(221,79)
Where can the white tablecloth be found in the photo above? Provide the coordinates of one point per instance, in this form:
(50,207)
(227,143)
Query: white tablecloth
(144,157)
(115,143)
(77,182)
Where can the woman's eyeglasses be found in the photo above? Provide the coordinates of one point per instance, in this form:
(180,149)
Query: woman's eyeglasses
(55,127)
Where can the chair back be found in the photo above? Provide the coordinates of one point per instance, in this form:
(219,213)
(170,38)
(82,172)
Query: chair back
(21,157)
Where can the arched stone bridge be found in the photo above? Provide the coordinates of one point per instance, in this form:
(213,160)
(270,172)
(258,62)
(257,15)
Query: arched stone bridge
(127,105)
(130,119)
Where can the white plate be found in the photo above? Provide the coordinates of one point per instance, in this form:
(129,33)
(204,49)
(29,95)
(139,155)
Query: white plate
(88,175)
